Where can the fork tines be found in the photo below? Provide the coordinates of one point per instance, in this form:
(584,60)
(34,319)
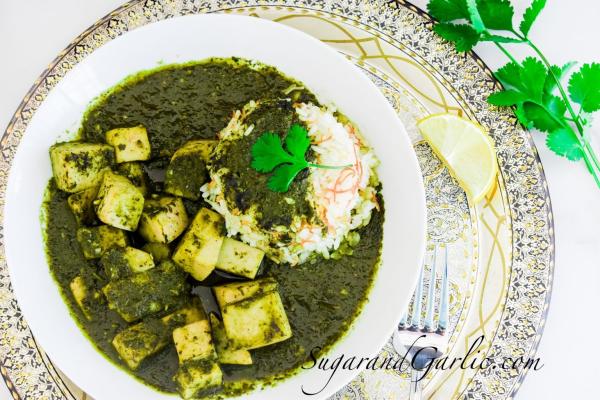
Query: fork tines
(429,308)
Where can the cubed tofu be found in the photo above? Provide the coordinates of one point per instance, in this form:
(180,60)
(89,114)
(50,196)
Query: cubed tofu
(119,203)
(224,352)
(84,296)
(78,166)
(131,144)
(160,251)
(136,343)
(82,205)
(148,337)
(187,171)
(163,219)
(184,316)
(240,259)
(134,171)
(194,342)
(199,248)
(157,290)
(234,292)
(120,262)
(256,322)
(198,378)
(95,241)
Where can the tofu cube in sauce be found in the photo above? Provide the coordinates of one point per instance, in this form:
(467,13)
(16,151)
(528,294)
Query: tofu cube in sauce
(95,241)
(194,341)
(225,353)
(131,144)
(163,219)
(134,171)
(187,171)
(157,290)
(160,251)
(138,342)
(198,378)
(119,202)
(257,321)
(234,292)
(85,296)
(198,371)
(78,166)
(240,259)
(120,262)
(198,250)
(82,205)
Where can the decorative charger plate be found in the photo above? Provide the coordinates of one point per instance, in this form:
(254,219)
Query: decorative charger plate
(501,251)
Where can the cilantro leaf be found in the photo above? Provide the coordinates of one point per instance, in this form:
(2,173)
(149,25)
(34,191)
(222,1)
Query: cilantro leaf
(533,76)
(496,14)
(555,105)
(267,153)
(526,89)
(448,10)
(531,85)
(510,74)
(550,85)
(463,36)
(507,98)
(529,77)
(531,15)
(564,142)
(283,176)
(297,141)
(540,117)
(522,116)
(584,87)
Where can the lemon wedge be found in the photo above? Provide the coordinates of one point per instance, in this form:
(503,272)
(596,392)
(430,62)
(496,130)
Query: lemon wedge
(466,149)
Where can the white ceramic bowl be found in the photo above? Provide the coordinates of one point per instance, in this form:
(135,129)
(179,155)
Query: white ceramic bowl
(177,40)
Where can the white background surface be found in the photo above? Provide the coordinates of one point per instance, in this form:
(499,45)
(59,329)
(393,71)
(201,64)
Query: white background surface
(33,32)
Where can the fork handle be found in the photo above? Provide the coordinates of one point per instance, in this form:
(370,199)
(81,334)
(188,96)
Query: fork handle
(416,387)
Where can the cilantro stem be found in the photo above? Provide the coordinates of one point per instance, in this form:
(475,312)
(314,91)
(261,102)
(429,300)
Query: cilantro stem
(507,53)
(498,15)
(589,157)
(328,166)
(588,152)
(579,114)
(562,91)
(589,148)
(518,35)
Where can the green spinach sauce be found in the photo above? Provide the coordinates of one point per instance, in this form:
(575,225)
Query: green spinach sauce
(190,101)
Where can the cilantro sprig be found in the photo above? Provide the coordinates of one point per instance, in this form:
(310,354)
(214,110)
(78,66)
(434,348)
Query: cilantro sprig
(269,155)
(533,86)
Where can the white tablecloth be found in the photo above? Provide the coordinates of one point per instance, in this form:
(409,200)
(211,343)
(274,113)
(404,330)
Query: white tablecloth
(33,32)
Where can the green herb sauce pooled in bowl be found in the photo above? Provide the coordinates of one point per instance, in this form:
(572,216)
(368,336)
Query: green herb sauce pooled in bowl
(150,220)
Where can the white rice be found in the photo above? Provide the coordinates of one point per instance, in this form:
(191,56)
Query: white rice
(343,199)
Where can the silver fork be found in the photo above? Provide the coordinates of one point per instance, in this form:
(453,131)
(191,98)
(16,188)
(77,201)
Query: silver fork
(423,338)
